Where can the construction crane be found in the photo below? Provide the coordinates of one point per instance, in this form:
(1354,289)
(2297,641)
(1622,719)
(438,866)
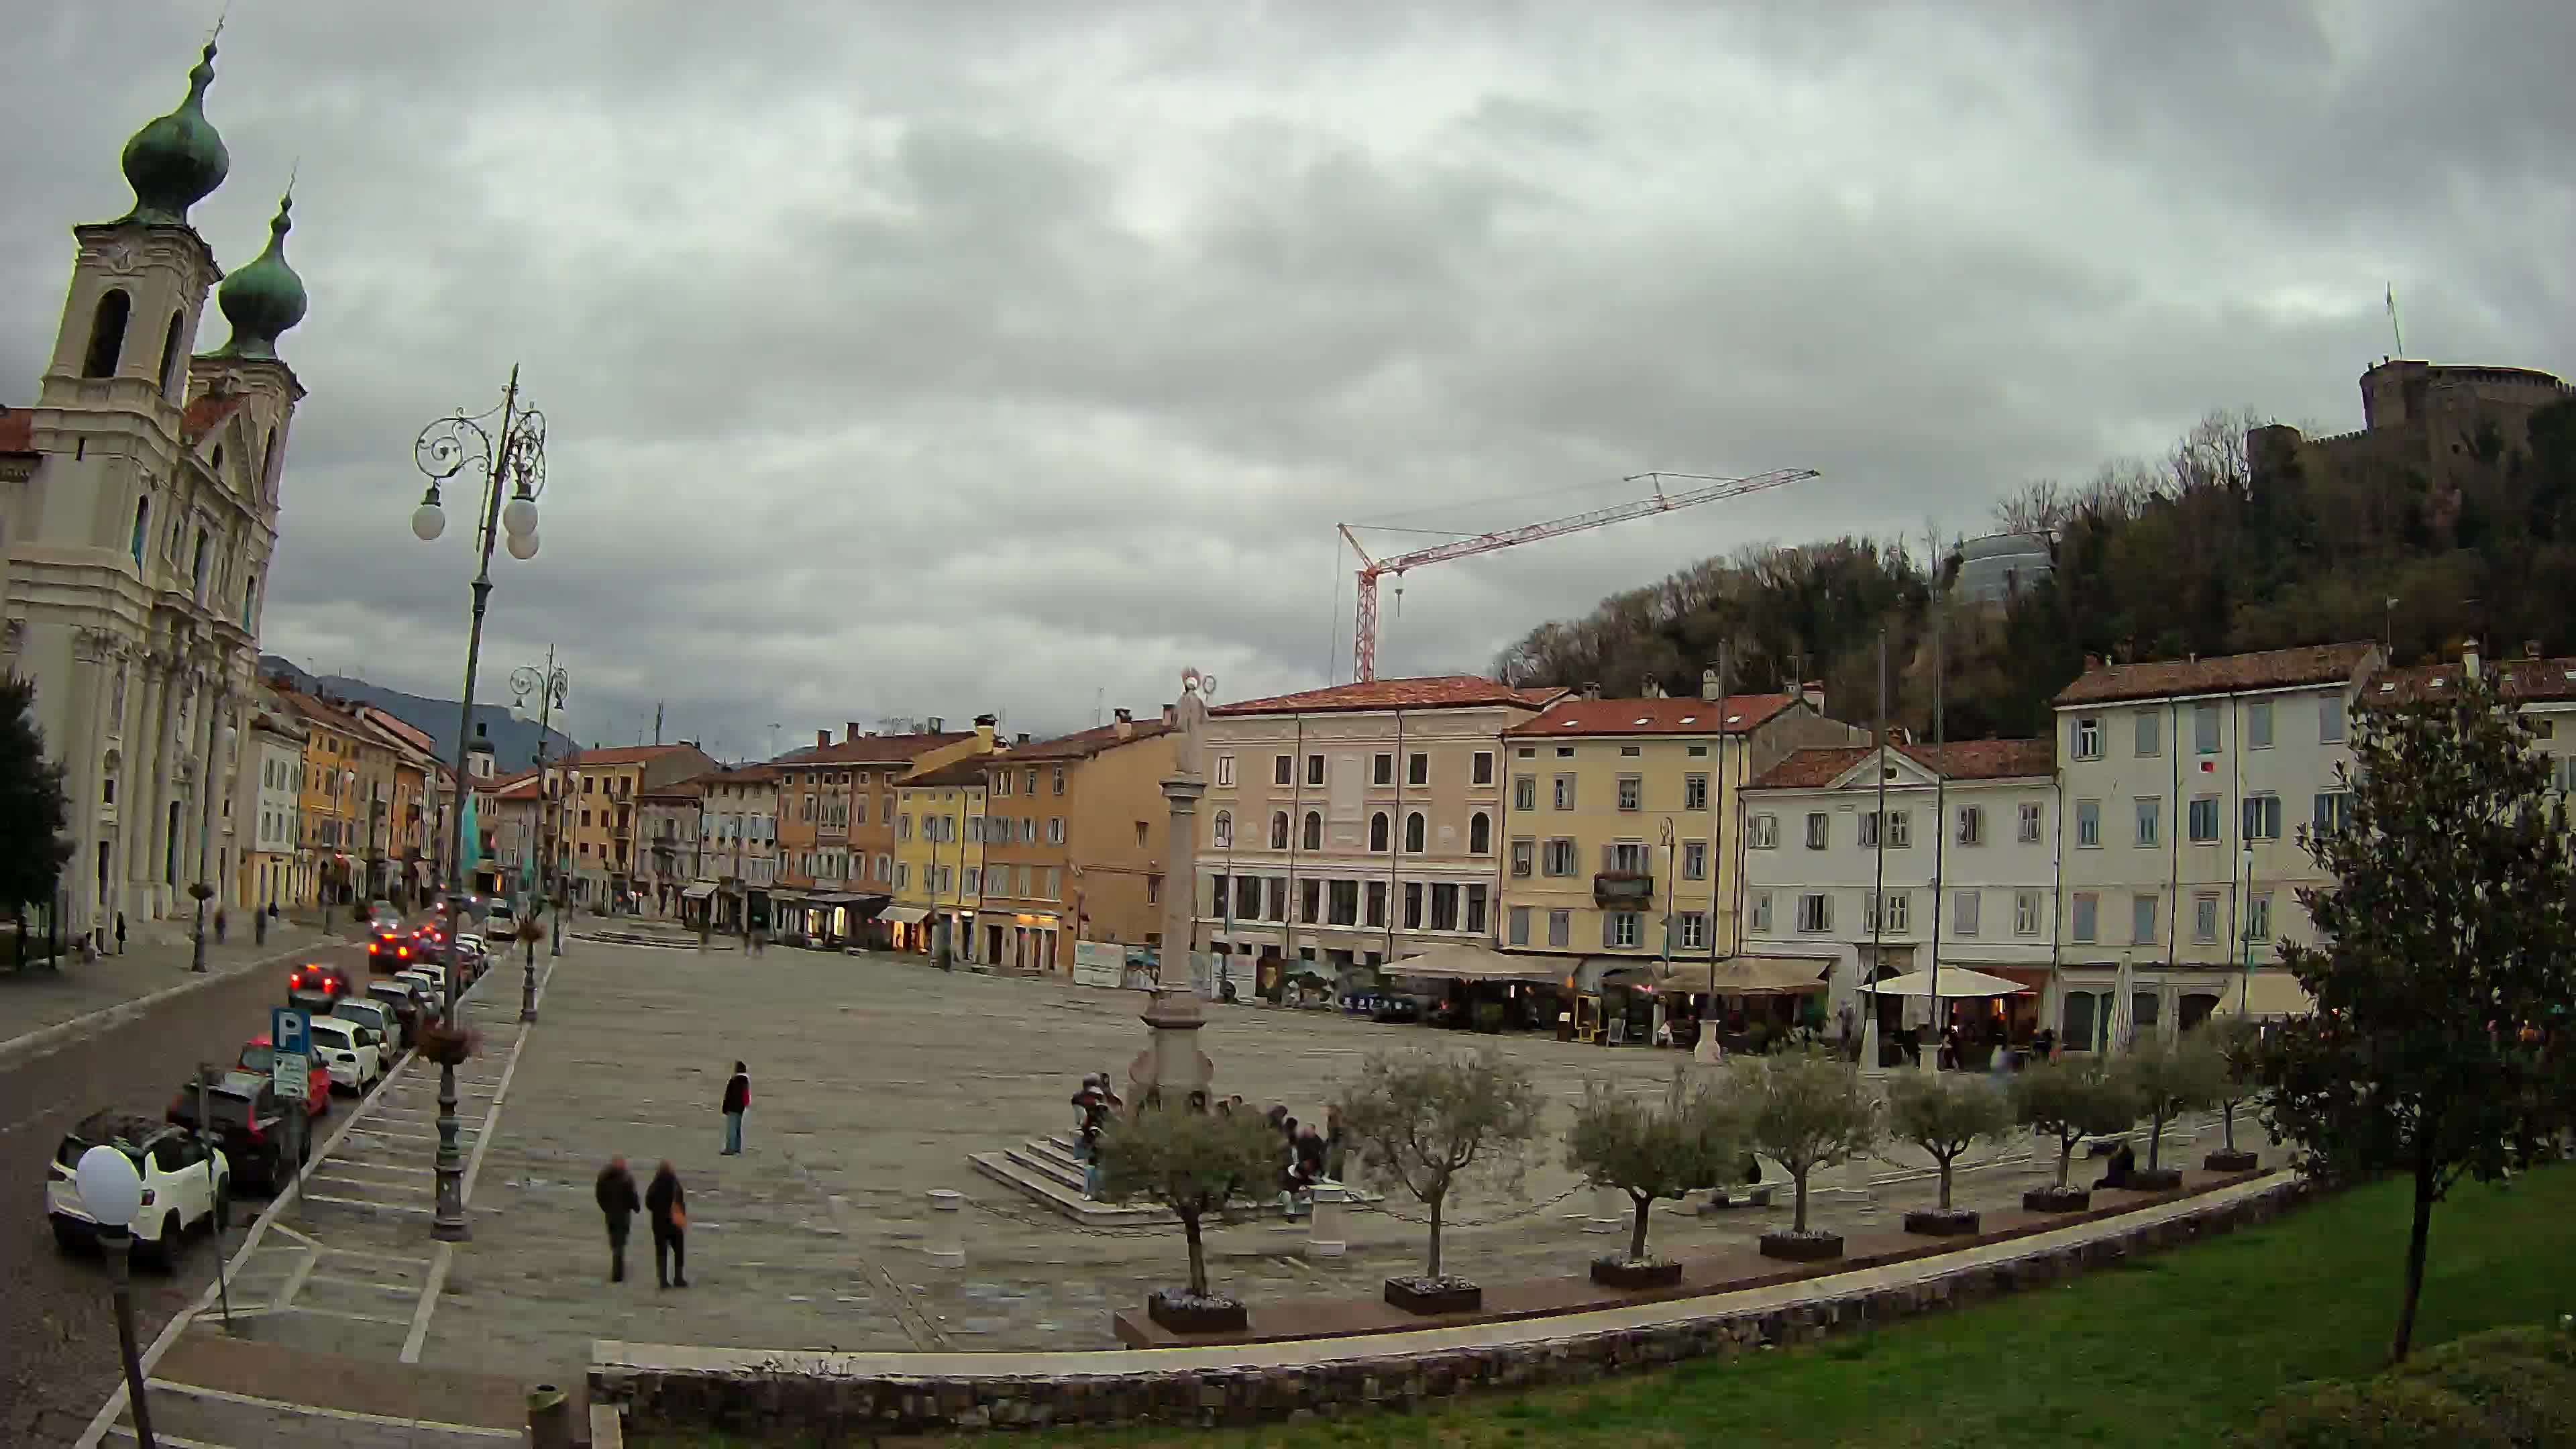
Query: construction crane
(1364,643)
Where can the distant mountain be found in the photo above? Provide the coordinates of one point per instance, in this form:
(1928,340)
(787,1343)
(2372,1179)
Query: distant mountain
(514,740)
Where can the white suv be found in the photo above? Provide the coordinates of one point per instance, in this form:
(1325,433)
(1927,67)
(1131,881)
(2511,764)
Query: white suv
(353,1061)
(185,1184)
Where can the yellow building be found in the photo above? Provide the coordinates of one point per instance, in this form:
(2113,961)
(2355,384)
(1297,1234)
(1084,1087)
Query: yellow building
(1619,824)
(330,852)
(939,856)
(598,794)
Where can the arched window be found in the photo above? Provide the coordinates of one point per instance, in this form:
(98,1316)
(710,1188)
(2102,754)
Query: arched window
(1377,831)
(170,354)
(268,464)
(1413,831)
(1279,830)
(1480,833)
(1314,830)
(1225,830)
(197,563)
(142,516)
(107,334)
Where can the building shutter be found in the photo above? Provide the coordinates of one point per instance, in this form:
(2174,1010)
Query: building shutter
(1609,856)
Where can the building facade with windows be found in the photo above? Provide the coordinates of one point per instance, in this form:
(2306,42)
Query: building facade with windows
(276,757)
(1355,825)
(2184,784)
(837,807)
(1960,868)
(601,802)
(738,852)
(1073,844)
(939,858)
(667,859)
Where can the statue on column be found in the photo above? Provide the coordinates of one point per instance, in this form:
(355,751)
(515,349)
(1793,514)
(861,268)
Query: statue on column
(1172,1068)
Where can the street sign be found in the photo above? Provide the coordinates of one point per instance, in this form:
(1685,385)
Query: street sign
(286,1029)
(290,1073)
(290,1067)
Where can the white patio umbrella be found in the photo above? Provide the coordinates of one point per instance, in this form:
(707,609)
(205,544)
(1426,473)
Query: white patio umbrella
(1956,982)
(2123,985)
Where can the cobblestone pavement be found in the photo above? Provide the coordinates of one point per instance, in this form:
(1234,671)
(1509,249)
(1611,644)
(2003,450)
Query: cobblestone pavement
(45,996)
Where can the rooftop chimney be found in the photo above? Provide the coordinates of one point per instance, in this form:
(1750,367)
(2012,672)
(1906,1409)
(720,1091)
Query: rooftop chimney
(984,729)
(850,731)
(1171,714)
(1709,687)
(1813,692)
(2469,659)
(1592,689)
(934,725)
(822,739)
(2531,649)
(1126,723)
(1021,738)
(1654,689)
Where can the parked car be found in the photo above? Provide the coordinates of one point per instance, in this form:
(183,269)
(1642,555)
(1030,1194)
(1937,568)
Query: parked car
(473,950)
(404,1002)
(184,1184)
(374,1016)
(500,919)
(431,976)
(389,950)
(354,1055)
(249,1124)
(258,1056)
(315,986)
(381,910)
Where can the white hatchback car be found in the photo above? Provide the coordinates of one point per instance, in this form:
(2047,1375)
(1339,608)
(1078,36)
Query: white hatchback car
(353,1061)
(186,1184)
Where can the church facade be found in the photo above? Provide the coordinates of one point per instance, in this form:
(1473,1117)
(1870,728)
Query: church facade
(139,498)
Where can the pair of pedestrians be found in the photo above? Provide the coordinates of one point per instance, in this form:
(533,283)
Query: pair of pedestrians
(665,1202)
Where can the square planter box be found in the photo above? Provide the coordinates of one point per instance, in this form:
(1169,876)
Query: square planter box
(1936,1223)
(2057,1200)
(1802,1247)
(1434,1295)
(1182,1314)
(2225,1161)
(1620,1273)
(2155,1179)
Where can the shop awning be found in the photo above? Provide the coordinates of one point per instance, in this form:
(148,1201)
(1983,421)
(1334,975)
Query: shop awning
(699,892)
(903,915)
(2268,993)
(1956,981)
(1752,976)
(1464,962)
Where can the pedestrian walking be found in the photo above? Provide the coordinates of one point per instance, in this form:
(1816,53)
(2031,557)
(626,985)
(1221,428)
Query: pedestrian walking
(668,1207)
(120,933)
(737,1100)
(219,925)
(619,1205)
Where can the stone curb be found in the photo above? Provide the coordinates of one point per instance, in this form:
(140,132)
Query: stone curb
(668,1389)
(46,1040)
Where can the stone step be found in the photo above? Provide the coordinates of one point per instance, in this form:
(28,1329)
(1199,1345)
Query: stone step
(1039,1163)
(184,1415)
(1069,1201)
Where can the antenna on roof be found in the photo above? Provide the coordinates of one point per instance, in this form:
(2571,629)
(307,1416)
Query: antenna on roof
(2393,330)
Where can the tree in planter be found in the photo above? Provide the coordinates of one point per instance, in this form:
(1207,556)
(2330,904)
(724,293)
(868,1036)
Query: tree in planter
(1684,1142)
(33,810)
(1945,1114)
(529,932)
(2070,1099)
(1194,1163)
(2237,1041)
(2167,1079)
(1429,1122)
(1805,1109)
(2448,929)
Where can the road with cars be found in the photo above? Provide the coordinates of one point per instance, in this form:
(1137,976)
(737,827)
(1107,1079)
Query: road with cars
(58,1351)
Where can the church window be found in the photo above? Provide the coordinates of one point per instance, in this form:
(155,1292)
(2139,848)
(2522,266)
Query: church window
(142,516)
(170,354)
(107,334)
(197,564)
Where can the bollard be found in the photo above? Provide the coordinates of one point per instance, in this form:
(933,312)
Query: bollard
(1609,1211)
(942,1241)
(549,1418)
(1325,1237)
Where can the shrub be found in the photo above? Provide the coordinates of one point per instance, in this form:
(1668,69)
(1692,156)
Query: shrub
(2378,1414)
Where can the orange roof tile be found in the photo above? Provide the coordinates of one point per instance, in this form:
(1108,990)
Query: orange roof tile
(1082,744)
(1963,760)
(2217,674)
(621,755)
(2519,679)
(968,771)
(1574,716)
(871,750)
(207,411)
(1439,691)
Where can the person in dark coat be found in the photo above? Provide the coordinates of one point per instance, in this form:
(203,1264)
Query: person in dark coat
(737,1100)
(668,1206)
(619,1205)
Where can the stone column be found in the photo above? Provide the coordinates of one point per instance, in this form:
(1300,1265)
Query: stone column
(84,750)
(144,816)
(1172,1069)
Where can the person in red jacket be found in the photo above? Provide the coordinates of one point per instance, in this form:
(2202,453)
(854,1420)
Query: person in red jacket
(737,1100)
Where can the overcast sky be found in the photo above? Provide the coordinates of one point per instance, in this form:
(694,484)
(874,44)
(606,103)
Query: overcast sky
(929,359)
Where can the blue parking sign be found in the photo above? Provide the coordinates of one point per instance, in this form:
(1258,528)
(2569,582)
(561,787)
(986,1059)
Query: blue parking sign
(286,1029)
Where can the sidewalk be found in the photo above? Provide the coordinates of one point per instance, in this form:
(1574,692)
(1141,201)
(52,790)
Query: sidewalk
(41,1000)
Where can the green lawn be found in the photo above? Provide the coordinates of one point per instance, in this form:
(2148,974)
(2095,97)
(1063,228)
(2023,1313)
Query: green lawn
(2173,1349)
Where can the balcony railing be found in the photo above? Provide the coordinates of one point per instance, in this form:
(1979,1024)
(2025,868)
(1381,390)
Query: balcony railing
(1623,889)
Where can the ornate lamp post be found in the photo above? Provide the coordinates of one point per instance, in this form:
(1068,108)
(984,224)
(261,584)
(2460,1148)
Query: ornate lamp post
(510,457)
(549,685)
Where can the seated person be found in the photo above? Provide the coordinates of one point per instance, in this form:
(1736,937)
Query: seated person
(2123,1163)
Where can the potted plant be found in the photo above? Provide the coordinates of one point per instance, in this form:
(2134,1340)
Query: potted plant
(1665,1148)
(1196,1164)
(1428,1122)
(1945,1114)
(449,1043)
(200,891)
(2167,1079)
(2235,1039)
(2069,1099)
(1805,1109)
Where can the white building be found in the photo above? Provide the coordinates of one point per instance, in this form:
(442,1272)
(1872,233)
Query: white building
(1963,869)
(276,759)
(138,513)
(2185,783)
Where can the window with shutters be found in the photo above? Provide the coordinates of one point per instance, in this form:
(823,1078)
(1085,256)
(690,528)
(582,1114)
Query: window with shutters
(2258,725)
(2204,729)
(1619,929)
(2330,720)
(2088,824)
(2204,819)
(2258,917)
(2150,734)
(2204,917)
(2032,821)
(1758,905)
(1820,830)
(2085,740)
(1559,858)
(1624,855)
(2150,820)
(1525,792)
(1519,927)
(2026,913)
(1815,912)
(2334,807)
(1560,928)
(1524,858)
(1632,792)
(2084,910)
(1692,934)
(1868,830)
(1565,792)
(1762,832)
(1971,825)
(1965,907)
(1695,860)
(2142,919)
(2262,817)
(1694,792)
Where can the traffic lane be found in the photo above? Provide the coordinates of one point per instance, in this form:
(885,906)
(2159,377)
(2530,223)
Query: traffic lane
(58,1355)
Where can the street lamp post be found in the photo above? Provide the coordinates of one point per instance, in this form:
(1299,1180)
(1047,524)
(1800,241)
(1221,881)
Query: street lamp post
(348,796)
(111,1191)
(549,685)
(513,462)
(2245,928)
(219,742)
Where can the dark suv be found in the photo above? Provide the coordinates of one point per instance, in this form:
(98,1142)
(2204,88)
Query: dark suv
(316,986)
(249,1125)
(390,950)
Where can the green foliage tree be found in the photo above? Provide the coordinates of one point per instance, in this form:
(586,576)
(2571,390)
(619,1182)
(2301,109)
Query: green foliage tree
(2237,1042)
(1429,1120)
(1805,1109)
(2450,926)
(1669,1147)
(2071,1099)
(33,811)
(2169,1078)
(1194,1163)
(1945,1114)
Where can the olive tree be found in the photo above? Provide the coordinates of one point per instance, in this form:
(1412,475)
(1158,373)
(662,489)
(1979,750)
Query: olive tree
(2169,1078)
(1670,1146)
(1431,1120)
(2237,1041)
(1804,1109)
(2071,1099)
(1193,1163)
(1945,1114)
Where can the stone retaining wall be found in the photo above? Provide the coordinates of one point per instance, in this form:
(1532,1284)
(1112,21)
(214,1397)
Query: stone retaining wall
(794,1393)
